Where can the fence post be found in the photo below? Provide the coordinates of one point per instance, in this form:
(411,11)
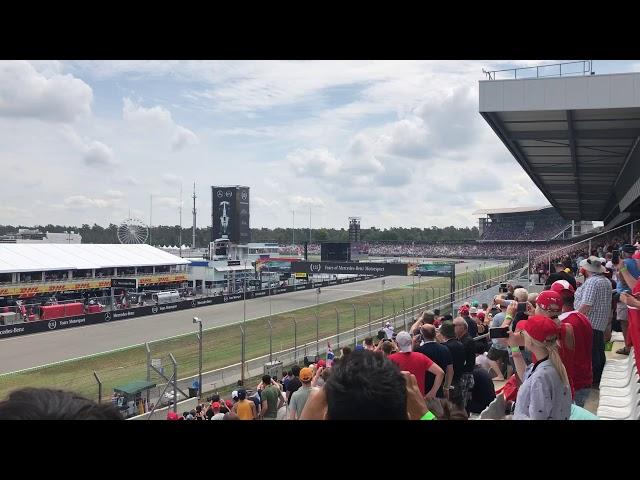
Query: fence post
(295,340)
(100,387)
(175,381)
(369,318)
(146,346)
(270,341)
(337,327)
(354,327)
(404,314)
(393,304)
(317,334)
(242,356)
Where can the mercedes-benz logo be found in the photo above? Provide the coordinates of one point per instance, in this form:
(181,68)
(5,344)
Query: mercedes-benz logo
(193,303)
(229,193)
(52,324)
(315,267)
(219,194)
(244,195)
(154,309)
(226,299)
(107,316)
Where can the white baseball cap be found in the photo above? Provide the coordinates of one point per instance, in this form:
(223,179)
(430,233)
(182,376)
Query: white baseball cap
(403,339)
(234,394)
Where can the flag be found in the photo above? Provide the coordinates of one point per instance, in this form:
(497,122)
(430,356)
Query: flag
(330,356)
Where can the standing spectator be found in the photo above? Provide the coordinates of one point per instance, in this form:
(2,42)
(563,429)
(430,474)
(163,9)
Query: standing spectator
(593,299)
(550,305)
(483,392)
(285,380)
(583,340)
(272,399)
(245,409)
(447,336)
(368,344)
(418,364)
(388,330)
(215,409)
(545,393)
(471,324)
(440,355)
(466,381)
(626,269)
(294,383)
(300,396)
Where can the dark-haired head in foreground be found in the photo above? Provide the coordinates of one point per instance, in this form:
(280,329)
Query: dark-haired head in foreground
(48,404)
(367,386)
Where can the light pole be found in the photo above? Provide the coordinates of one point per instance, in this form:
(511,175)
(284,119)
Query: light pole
(199,322)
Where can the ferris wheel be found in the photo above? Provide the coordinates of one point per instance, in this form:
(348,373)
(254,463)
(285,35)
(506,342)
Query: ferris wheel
(133,230)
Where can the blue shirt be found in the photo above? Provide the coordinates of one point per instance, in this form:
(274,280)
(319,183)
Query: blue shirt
(632,267)
(542,395)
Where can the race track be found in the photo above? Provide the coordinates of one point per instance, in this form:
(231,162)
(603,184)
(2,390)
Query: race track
(42,348)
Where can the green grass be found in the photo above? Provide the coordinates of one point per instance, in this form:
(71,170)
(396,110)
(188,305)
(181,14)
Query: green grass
(222,345)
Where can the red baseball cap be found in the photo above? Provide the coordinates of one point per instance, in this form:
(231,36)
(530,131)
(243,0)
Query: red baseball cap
(464,310)
(215,405)
(481,315)
(550,300)
(636,255)
(539,327)
(172,416)
(561,286)
(322,363)
(228,403)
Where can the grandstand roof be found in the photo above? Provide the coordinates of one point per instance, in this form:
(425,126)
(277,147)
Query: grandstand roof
(493,211)
(576,137)
(28,257)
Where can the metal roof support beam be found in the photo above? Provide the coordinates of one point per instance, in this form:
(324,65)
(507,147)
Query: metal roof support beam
(630,133)
(613,198)
(495,123)
(574,158)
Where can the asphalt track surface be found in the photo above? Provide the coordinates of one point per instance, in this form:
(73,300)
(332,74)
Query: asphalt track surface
(48,347)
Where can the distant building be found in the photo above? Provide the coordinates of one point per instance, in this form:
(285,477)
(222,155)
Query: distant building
(26,235)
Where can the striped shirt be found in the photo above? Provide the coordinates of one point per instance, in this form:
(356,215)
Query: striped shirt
(595,291)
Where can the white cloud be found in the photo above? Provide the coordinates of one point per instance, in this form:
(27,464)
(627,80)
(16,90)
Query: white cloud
(157,120)
(114,193)
(318,162)
(163,201)
(261,202)
(299,201)
(182,138)
(171,179)
(97,154)
(48,96)
(79,202)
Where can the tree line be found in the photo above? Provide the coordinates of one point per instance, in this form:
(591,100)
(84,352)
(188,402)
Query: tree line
(170,235)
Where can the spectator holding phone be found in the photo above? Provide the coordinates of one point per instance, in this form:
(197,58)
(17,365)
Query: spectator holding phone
(627,276)
(545,393)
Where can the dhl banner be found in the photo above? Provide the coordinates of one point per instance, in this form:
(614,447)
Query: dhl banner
(31,290)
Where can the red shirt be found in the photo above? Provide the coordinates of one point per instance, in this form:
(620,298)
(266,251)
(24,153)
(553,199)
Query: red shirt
(580,372)
(414,362)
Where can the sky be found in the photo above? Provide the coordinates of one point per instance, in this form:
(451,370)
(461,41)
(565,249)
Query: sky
(397,143)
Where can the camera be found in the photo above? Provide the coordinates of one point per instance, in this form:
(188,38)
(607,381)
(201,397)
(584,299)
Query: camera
(503,288)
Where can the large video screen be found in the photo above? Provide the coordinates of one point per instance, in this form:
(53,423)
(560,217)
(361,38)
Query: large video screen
(335,251)
(434,269)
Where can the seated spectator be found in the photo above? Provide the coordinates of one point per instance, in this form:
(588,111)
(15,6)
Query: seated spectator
(49,404)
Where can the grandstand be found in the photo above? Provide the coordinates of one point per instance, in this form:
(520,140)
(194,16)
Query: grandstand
(530,224)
